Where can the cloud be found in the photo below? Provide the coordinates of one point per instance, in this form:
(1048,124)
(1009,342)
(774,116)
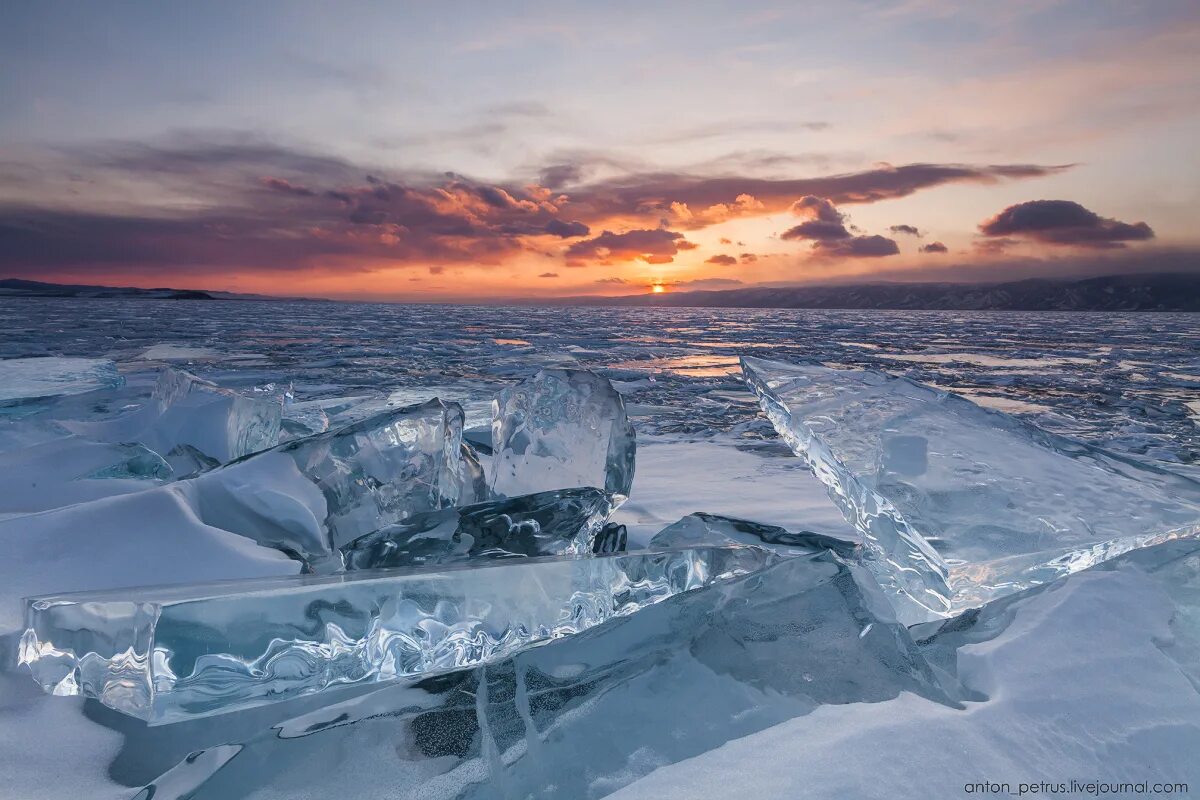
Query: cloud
(218,202)
(910,230)
(1063,222)
(824,222)
(654,246)
(548,275)
(566,230)
(817,208)
(827,229)
(818,230)
(287,187)
(610,280)
(749,258)
(651,195)
(858,247)
(934,247)
(723,260)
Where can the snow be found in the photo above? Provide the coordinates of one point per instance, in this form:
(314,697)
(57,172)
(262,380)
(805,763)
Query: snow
(1077,687)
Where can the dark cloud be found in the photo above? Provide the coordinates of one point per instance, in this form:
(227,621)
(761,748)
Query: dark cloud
(556,176)
(651,195)
(566,230)
(858,247)
(610,280)
(824,224)
(910,230)
(654,246)
(749,258)
(817,208)
(817,230)
(934,247)
(1063,222)
(548,275)
(723,260)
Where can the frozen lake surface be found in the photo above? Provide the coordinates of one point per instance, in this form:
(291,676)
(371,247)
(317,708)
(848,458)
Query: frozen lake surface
(1111,649)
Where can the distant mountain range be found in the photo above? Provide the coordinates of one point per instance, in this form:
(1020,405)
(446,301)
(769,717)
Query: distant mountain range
(16,287)
(1150,292)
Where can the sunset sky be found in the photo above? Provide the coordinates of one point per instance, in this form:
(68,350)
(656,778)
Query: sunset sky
(493,150)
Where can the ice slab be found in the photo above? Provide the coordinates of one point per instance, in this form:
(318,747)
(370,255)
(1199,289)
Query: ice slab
(24,379)
(561,429)
(193,423)
(562,522)
(959,504)
(169,653)
(311,496)
(582,716)
(712,529)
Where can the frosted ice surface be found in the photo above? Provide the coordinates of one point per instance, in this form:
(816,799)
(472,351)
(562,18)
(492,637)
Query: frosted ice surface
(561,429)
(582,716)
(167,653)
(193,423)
(712,529)
(561,522)
(70,469)
(960,504)
(34,378)
(314,495)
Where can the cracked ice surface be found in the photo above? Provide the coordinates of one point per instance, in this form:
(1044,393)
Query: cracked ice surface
(167,653)
(561,429)
(960,504)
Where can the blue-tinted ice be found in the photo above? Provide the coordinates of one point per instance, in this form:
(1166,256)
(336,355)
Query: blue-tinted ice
(960,504)
(167,653)
(561,522)
(561,429)
(583,716)
(193,423)
(25,379)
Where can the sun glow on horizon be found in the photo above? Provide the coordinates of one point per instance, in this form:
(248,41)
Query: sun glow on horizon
(658,288)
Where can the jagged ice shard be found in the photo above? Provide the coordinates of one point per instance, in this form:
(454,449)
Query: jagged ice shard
(24,379)
(561,429)
(173,652)
(959,504)
(311,496)
(562,522)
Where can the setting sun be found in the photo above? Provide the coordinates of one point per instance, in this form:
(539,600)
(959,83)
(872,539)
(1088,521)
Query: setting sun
(657,288)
